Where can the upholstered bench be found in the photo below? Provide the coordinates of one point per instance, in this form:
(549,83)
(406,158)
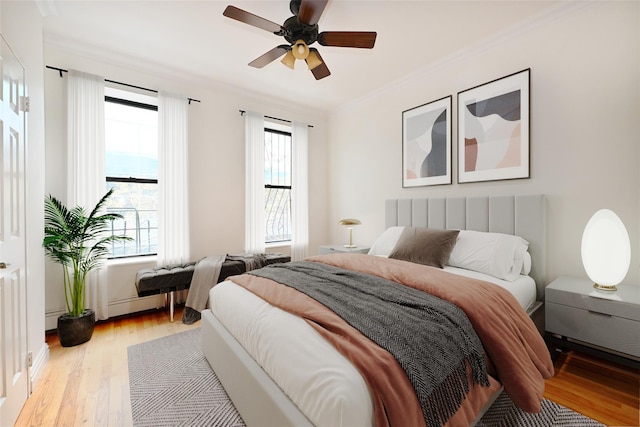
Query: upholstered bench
(168,279)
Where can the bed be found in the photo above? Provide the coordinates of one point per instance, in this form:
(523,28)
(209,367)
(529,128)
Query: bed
(331,388)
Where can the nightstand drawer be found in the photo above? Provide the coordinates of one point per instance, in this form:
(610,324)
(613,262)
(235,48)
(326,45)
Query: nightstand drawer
(593,327)
(579,293)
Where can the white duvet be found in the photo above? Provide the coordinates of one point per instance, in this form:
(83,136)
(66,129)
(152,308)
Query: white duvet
(324,385)
(523,288)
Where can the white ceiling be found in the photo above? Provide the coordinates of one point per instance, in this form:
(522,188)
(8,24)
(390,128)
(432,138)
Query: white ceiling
(193,37)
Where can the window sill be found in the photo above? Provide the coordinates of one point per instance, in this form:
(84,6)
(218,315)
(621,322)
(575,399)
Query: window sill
(116,262)
(277,245)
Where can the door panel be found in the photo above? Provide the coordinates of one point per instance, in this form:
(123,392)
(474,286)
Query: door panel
(14,380)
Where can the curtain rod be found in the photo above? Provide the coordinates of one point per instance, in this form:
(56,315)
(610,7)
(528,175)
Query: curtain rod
(272,118)
(62,70)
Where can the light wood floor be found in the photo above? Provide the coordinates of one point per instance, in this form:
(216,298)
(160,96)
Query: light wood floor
(601,390)
(89,385)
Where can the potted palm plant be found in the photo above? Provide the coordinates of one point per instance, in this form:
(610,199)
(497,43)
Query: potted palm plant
(79,243)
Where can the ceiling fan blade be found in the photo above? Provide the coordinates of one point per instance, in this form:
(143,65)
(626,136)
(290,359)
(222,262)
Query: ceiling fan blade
(251,19)
(360,39)
(269,57)
(321,71)
(311,11)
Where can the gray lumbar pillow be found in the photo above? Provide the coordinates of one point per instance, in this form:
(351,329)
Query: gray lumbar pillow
(426,246)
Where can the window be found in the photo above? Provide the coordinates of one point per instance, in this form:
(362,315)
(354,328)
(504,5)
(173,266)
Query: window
(131,141)
(277,188)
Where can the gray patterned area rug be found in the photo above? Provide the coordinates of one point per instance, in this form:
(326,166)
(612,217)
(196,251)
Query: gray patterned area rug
(172,384)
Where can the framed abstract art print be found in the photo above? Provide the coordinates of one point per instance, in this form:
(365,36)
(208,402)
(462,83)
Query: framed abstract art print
(426,144)
(493,130)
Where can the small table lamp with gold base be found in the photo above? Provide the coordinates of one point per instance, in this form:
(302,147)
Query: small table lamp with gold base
(349,223)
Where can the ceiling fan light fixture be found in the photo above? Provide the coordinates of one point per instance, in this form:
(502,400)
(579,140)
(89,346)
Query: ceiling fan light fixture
(312,60)
(289,59)
(303,28)
(300,49)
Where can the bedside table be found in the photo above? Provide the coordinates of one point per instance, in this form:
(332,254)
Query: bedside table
(610,321)
(329,249)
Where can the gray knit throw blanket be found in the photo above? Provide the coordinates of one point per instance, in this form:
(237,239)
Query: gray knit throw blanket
(251,261)
(211,268)
(432,339)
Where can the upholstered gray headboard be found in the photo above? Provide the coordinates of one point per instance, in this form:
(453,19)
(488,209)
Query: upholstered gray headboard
(523,216)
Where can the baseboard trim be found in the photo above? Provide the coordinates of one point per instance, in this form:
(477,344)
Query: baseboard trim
(116,308)
(37,369)
(134,305)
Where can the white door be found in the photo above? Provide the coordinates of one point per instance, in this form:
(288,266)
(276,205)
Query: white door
(14,382)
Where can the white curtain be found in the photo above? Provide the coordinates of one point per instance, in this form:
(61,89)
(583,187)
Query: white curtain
(86,179)
(299,192)
(255,228)
(173,189)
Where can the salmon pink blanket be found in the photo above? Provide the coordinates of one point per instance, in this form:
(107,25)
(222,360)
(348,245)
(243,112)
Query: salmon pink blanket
(513,344)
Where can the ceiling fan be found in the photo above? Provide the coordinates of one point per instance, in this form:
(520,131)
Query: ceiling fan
(301,30)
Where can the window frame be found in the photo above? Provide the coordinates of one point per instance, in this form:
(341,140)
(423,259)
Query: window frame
(108,179)
(272,128)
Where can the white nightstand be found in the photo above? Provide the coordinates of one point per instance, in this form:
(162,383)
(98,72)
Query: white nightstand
(610,321)
(329,249)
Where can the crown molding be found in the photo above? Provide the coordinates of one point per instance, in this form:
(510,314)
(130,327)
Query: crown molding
(157,70)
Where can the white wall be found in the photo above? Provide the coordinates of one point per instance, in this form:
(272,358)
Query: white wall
(21,26)
(584,60)
(216,163)
(585,128)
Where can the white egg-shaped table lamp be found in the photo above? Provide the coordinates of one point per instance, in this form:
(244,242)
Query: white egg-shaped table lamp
(606,250)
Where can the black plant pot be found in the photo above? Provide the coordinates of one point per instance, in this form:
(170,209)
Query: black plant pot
(76,330)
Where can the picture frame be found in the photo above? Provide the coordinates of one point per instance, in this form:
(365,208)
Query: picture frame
(493,129)
(426,144)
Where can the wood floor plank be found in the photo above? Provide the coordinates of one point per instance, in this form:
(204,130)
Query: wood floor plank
(89,384)
(69,403)
(601,390)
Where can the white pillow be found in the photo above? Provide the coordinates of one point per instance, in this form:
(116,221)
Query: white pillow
(497,254)
(526,265)
(385,243)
